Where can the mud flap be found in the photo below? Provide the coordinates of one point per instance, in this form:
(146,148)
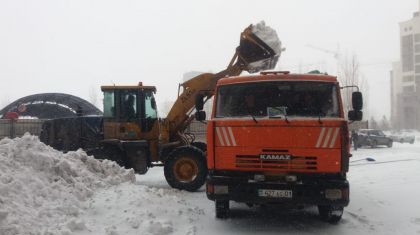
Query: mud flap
(138,155)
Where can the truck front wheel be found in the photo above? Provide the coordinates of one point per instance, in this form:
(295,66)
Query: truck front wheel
(222,209)
(330,214)
(186,168)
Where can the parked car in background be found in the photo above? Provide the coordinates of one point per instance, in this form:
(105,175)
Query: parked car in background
(403,137)
(373,138)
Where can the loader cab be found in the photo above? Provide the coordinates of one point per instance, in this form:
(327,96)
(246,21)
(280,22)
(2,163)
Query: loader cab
(130,112)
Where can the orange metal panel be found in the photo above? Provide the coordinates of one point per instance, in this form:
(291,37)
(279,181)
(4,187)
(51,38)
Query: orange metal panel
(297,134)
(278,77)
(210,145)
(304,160)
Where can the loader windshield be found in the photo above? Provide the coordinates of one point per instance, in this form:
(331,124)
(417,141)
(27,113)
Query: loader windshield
(262,99)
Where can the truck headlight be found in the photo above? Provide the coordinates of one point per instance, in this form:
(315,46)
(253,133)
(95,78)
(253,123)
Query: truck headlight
(221,189)
(333,194)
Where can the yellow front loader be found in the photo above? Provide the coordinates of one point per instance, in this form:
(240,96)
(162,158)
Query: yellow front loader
(131,134)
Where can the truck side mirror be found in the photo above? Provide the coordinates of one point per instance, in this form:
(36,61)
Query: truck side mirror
(200,115)
(199,103)
(355,115)
(357,100)
(153,103)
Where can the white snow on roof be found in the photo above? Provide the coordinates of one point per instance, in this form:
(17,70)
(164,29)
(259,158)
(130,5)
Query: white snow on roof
(268,35)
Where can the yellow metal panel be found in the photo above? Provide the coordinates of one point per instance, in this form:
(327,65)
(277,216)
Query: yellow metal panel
(154,150)
(110,130)
(132,131)
(127,87)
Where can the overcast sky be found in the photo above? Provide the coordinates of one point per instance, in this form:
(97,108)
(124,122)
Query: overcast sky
(72,46)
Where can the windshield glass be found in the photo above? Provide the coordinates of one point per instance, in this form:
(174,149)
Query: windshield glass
(305,99)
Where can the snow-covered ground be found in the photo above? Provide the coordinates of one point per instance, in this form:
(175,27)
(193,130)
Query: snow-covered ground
(46,192)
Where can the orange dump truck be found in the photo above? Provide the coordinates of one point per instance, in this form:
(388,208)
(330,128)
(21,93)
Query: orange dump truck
(279,138)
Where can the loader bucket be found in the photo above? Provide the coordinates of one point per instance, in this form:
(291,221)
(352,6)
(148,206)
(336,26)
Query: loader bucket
(256,53)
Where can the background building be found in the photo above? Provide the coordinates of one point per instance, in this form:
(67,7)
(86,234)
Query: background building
(405,77)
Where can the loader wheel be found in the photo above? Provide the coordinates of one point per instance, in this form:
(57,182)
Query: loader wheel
(200,145)
(186,168)
(330,214)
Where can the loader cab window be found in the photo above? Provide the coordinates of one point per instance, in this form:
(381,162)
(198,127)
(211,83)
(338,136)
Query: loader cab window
(150,114)
(109,104)
(128,104)
(150,111)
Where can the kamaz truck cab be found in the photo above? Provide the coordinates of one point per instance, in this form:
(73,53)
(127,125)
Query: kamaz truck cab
(279,138)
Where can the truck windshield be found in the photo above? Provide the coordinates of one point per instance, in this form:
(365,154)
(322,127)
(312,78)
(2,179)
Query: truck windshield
(291,98)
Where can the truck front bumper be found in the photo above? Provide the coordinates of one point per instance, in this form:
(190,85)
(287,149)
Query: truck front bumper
(303,193)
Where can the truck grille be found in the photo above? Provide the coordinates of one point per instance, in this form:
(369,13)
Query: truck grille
(297,163)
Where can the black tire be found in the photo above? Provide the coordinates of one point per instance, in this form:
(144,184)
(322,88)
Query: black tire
(200,145)
(402,141)
(222,209)
(330,214)
(374,144)
(359,145)
(389,145)
(186,168)
(412,141)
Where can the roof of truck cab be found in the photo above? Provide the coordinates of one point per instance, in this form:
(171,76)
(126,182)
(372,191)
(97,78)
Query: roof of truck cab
(127,87)
(277,77)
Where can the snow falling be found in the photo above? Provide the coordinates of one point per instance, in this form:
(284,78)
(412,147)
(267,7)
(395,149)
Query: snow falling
(43,191)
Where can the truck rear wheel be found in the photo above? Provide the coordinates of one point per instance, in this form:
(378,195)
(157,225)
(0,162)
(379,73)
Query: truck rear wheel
(222,209)
(186,168)
(330,214)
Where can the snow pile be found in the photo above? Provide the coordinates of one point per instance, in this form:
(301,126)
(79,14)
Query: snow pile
(43,191)
(139,209)
(268,35)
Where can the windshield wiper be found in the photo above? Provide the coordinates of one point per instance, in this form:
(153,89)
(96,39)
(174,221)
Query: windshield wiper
(285,115)
(247,110)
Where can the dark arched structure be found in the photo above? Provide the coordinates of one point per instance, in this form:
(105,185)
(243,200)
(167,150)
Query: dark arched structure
(51,105)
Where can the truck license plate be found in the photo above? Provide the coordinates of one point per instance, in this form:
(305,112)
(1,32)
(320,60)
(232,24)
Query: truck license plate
(274,193)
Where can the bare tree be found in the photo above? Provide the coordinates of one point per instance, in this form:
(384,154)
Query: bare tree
(165,107)
(348,75)
(364,88)
(93,96)
(5,101)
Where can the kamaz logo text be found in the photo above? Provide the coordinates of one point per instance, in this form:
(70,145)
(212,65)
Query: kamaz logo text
(275,157)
